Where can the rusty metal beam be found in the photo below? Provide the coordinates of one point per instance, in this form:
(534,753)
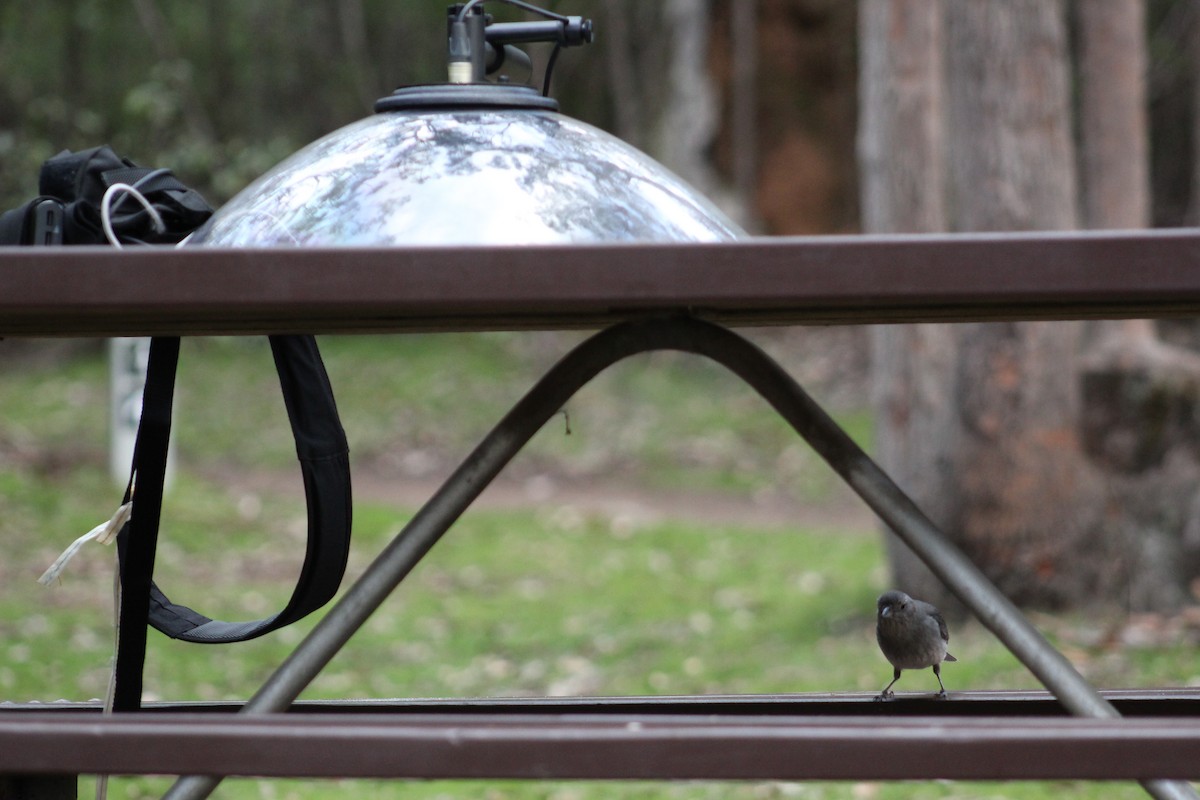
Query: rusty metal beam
(852,279)
(572,746)
(1172,702)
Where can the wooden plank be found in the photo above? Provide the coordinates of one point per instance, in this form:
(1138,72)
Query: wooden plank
(851,279)
(581,746)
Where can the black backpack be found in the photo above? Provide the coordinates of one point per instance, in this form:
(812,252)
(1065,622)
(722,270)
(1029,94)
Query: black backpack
(69,211)
(72,187)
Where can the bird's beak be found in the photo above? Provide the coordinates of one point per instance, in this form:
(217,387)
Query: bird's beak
(883,612)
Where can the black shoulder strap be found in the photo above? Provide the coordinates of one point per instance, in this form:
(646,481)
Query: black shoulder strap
(137,558)
(324,463)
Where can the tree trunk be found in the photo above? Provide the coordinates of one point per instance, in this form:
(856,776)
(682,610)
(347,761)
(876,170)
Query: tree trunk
(1028,501)
(622,72)
(983,429)
(986,424)
(900,109)
(1114,129)
(1114,140)
(743,103)
(1009,126)
(1138,392)
(687,123)
(900,149)
(674,118)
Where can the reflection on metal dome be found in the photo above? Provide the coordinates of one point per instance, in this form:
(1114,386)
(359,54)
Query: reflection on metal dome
(466,165)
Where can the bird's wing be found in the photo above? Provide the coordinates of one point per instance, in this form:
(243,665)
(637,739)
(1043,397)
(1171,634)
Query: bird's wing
(942,629)
(932,611)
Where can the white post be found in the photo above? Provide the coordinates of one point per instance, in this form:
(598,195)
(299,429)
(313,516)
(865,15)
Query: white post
(127,359)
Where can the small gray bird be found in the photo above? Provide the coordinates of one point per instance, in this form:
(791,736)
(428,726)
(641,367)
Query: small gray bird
(912,635)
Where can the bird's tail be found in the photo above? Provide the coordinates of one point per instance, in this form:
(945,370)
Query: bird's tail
(949,658)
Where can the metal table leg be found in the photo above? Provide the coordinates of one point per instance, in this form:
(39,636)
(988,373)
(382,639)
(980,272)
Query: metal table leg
(39,787)
(779,389)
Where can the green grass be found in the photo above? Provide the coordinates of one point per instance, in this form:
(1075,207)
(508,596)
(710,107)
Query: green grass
(662,419)
(544,600)
(416,404)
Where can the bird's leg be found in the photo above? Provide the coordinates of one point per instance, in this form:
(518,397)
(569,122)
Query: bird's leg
(887,694)
(937,673)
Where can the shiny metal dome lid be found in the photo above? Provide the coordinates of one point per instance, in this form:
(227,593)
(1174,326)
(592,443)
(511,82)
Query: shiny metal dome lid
(469,164)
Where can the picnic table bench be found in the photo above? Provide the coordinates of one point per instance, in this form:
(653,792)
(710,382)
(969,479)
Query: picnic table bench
(662,295)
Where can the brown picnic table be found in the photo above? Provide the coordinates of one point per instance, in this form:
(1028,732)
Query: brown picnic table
(782,281)
(659,296)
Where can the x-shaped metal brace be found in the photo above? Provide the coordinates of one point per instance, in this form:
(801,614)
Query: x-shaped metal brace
(785,395)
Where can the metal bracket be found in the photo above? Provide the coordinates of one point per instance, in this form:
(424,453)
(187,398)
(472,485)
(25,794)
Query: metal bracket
(785,395)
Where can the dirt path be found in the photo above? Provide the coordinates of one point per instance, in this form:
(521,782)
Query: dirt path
(610,498)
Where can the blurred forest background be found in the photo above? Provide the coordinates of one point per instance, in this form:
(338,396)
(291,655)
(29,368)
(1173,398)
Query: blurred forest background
(1063,457)
(792,114)
(221,90)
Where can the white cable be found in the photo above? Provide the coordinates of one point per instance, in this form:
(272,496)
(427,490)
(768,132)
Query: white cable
(106,211)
